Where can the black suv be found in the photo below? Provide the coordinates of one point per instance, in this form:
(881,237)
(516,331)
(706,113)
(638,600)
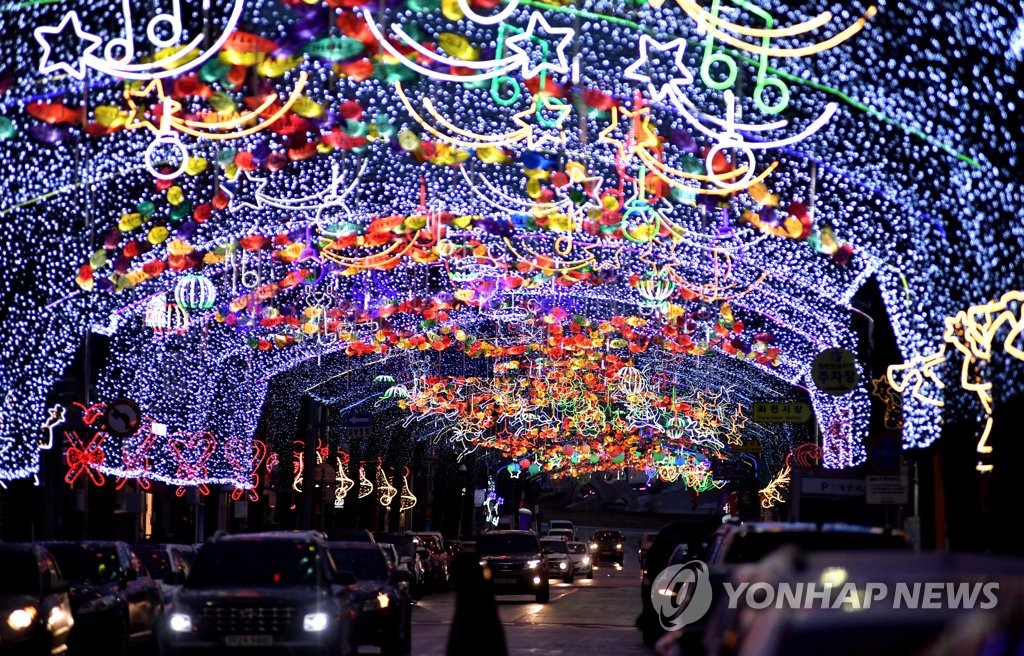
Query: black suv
(608,545)
(515,563)
(276,590)
(114,601)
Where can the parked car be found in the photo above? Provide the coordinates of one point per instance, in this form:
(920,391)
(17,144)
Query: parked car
(645,545)
(608,545)
(274,590)
(432,536)
(436,569)
(417,568)
(166,563)
(379,596)
(436,560)
(114,601)
(734,545)
(581,561)
(515,563)
(560,561)
(35,608)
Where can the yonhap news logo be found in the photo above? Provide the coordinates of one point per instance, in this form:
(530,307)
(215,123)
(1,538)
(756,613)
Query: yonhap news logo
(934,595)
(681,594)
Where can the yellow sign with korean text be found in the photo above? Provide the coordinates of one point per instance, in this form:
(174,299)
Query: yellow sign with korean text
(781,412)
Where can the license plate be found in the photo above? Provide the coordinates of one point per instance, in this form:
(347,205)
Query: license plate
(248,640)
(506,581)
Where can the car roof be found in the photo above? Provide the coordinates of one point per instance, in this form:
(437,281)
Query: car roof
(284,536)
(27,547)
(554,538)
(365,546)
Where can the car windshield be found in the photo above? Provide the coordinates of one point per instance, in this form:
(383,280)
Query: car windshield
(506,543)
(86,563)
(607,536)
(366,564)
(254,563)
(554,546)
(156,560)
(21,573)
(577,547)
(752,547)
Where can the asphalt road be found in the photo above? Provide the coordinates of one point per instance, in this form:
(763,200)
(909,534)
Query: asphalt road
(585,617)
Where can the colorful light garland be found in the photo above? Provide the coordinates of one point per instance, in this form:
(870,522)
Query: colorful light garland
(593,179)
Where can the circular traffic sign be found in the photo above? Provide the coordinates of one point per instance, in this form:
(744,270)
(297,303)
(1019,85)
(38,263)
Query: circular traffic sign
(122,417)
(834,371)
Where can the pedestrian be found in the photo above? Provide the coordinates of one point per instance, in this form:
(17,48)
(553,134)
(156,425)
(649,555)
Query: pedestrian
(476,628)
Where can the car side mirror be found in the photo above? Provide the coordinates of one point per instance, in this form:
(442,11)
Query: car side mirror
(343,577)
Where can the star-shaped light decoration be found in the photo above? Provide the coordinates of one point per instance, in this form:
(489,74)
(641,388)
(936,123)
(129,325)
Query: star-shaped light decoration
(154,93)
(86,44)
(517,43)
(245,191)
(638,135)
(540,103)
(674,85)
(891,398)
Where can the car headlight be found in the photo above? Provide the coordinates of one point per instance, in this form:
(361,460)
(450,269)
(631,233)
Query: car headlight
(563,565)
(180,623)
(533,564)
(99,605)
(593,546)
(586,560)
(314,622)
(483,563)
(619,547)
(21,618)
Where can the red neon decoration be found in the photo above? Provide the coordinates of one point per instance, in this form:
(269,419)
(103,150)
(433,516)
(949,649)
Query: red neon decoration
(192,451)
(298,464)
(85,458)
(135,460)
(805,455)
(92,413)
(273,460)
(240,461)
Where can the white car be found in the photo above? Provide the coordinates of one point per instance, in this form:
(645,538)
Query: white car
(560,525)
(581,562)
(560,562)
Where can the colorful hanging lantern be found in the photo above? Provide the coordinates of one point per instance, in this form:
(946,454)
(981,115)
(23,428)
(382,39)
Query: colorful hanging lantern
(195,292)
